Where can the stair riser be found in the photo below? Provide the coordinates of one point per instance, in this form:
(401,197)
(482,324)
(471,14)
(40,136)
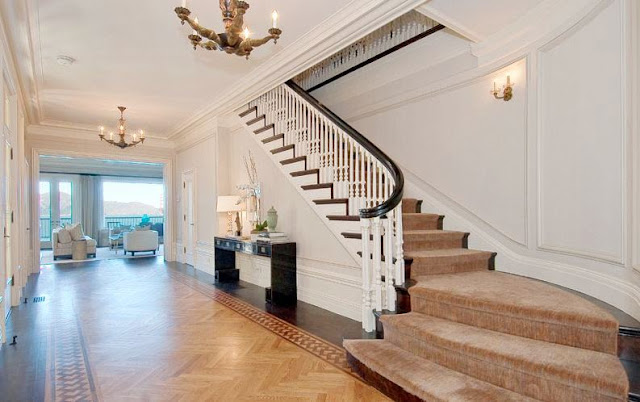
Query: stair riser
(318,194)
(346,226)
(585,338)
(255,125)
(288,154)
(332,209)
(423,266)
(273,144)
(306,180)
(294,167)
(264,134)
(410,206)
(497,370)
(432,244)
(421,223)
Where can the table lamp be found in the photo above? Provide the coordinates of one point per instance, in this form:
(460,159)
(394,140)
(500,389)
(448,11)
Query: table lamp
(229,204)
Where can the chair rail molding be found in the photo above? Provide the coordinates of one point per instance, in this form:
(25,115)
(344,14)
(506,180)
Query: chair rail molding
(352,22)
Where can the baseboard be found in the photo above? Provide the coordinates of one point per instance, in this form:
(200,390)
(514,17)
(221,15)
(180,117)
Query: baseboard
(333,287)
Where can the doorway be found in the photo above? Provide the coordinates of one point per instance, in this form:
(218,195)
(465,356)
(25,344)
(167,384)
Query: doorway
(188,217)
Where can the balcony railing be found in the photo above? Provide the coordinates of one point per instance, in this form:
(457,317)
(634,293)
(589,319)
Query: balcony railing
(113,221)
(45,227)
(109,222)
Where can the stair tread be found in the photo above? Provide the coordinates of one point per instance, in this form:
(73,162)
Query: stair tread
(349,218)
(248,111)
(255,120)
(518,305)
(332,201)
(432,231)
(293,160)
(423,378)
(581,368)
(450,252)
(273,138)
(317,186)
(421,214)
(282,149)
(305,172)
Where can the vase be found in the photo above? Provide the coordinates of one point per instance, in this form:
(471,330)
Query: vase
(272,219)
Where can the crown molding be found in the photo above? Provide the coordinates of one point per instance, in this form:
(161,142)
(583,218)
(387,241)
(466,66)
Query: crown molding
(90,128)
(355,20)
(74,134)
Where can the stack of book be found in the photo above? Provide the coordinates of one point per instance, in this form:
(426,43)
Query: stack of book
(272,237)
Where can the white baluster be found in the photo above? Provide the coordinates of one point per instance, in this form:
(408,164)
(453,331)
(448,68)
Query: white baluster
(368,319)
(389,274)
(376,232)
(400,279)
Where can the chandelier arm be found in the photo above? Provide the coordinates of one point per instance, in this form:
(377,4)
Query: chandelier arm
(257,42)
(204,32)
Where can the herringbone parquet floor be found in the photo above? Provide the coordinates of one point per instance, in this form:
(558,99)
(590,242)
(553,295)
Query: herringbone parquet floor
(137,330)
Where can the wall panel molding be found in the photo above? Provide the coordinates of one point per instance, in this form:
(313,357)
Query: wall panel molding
(550,61)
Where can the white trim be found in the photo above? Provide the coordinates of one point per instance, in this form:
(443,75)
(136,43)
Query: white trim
(450,23)
(192,173)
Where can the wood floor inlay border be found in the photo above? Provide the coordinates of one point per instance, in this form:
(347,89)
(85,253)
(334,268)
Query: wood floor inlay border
(72,379)
(326,351)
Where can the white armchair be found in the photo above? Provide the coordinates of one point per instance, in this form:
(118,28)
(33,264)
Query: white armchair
(140,241)
(64,248)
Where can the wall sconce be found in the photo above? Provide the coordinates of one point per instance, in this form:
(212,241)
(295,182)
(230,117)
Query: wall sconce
(507,90)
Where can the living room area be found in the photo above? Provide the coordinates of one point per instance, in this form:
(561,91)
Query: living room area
(96,209)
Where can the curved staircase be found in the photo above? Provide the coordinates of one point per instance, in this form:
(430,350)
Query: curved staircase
(473,334)
(454,329)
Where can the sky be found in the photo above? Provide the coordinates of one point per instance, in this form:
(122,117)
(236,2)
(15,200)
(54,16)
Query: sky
(151,194)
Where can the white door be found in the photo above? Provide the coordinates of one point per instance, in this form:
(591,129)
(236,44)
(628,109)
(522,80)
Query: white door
(188,218)
(59,204)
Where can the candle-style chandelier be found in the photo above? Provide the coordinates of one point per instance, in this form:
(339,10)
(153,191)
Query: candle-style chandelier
(236,39)
(122,130)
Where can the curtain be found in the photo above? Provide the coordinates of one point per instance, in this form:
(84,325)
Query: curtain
(92,205)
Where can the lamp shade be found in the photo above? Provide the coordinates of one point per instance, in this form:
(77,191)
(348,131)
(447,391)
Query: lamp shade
(229,203)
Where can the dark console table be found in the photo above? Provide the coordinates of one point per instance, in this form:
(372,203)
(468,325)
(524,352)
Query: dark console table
(283,288)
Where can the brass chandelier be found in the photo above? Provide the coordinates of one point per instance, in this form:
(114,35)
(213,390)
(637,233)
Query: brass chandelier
(236,39)
(122,130)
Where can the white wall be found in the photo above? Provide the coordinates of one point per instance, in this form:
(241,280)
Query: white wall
(200,159)
(545,179)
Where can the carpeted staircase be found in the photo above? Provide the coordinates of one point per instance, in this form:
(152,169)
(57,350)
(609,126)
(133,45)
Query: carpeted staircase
(473,334)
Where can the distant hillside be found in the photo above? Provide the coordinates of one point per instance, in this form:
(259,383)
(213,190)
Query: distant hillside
(115,208)
(111,208)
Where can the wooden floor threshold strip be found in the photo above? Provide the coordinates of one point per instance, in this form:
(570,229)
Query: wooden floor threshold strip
(326,351)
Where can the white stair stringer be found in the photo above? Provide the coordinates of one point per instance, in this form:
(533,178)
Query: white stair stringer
(352,246)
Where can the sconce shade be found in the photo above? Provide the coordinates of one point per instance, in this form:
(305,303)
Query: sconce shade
(229,203)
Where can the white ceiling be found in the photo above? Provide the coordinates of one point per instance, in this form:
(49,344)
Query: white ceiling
(136,54)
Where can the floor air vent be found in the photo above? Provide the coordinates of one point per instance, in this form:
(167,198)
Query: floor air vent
(38,299)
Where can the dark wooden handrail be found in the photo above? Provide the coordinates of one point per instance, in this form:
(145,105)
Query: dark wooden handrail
(396,196)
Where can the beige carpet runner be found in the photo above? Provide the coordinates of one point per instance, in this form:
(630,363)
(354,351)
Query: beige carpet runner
(478,335)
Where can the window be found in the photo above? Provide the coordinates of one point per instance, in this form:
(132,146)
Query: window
(126,203)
